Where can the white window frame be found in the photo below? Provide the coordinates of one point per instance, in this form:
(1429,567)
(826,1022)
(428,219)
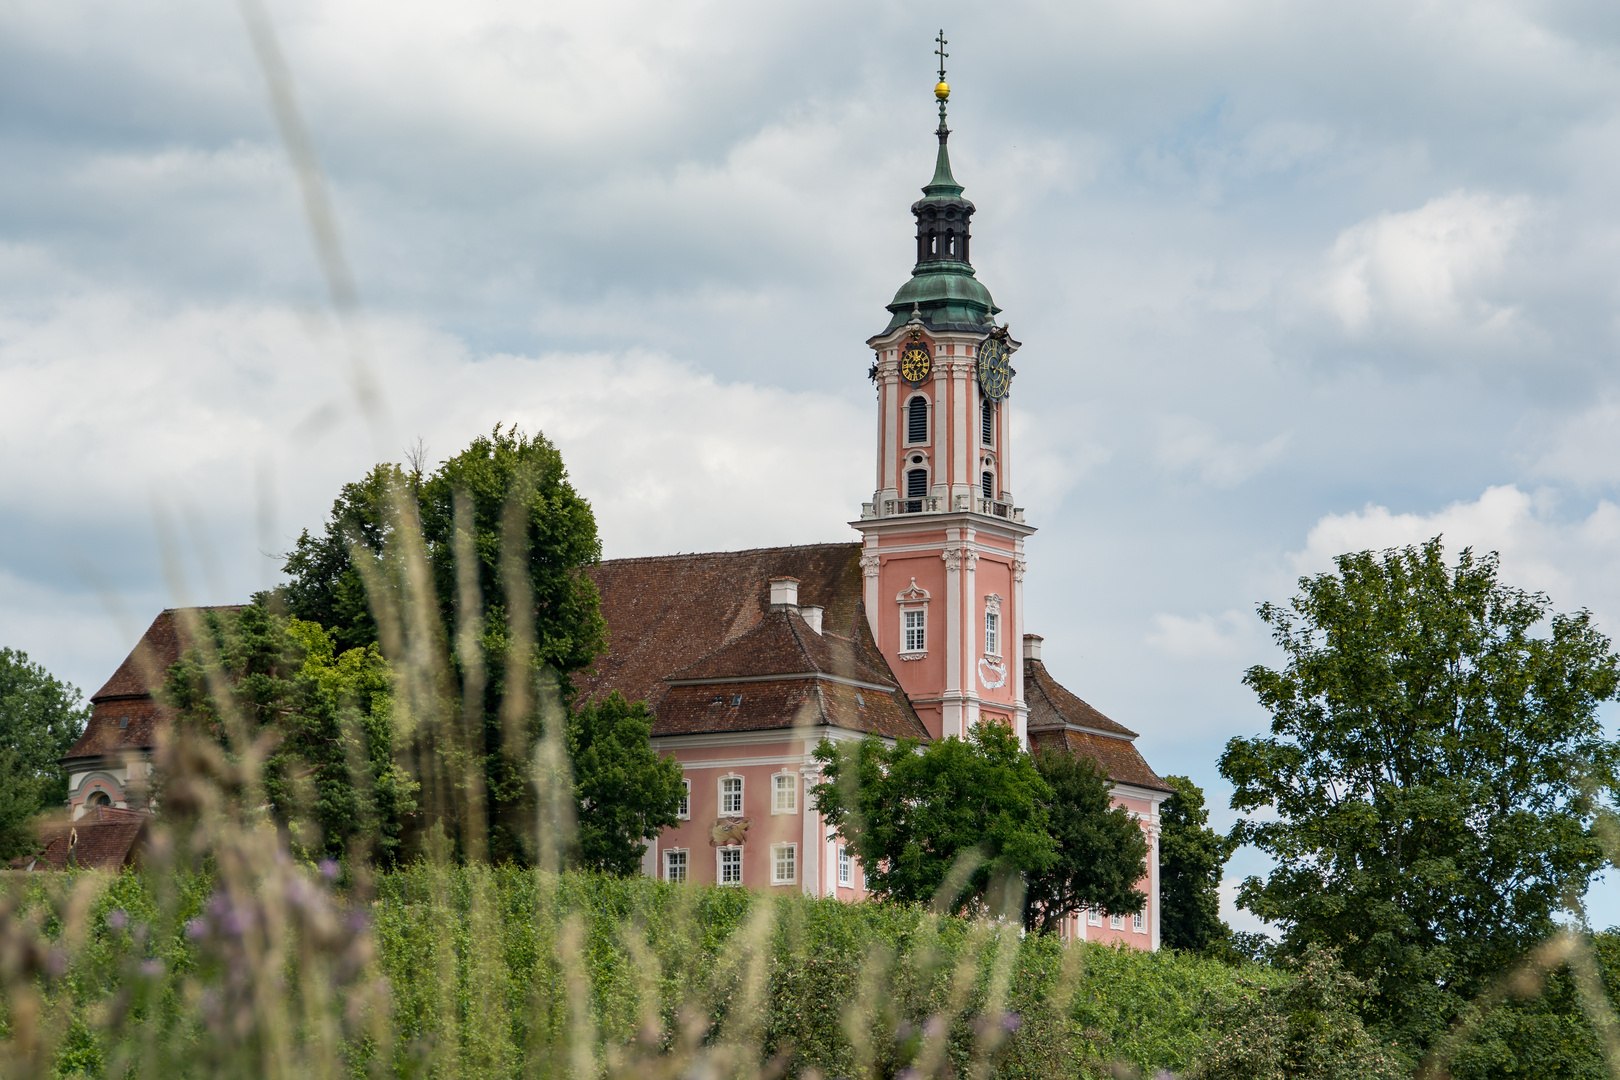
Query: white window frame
(846,868)
(790,789)
(1116,922)
(720,786)
(683,812)
(1093,917)
(928,418)
(720,865)
(912,599)
(792,861)
(686,864)
(1139,923)
(992,626)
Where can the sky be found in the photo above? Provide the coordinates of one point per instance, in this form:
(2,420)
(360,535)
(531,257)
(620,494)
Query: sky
(1292,280)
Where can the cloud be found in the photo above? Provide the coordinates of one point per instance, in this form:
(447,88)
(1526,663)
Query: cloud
(1574,560)
(1189,445)
(1228,635)
(1431,269)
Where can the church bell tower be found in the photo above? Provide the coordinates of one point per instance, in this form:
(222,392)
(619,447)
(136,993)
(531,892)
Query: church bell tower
(943,549)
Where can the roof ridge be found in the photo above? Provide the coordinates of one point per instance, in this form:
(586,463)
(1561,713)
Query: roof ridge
(742,551)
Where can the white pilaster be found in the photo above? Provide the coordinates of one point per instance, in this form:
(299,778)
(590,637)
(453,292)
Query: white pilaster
(810,844)
(890,452)
(961,479)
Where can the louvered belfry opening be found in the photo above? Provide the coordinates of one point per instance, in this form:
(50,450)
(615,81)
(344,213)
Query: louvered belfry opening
(988,481)
(987,423)
(916,483)
(917,420)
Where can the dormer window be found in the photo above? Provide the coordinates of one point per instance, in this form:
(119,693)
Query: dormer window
(917,420)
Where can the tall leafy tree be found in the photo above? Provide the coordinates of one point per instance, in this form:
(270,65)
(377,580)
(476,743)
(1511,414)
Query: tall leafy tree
(500,519)
(624,793)
(1100,851)
(1436,774)
(1191,859)
(911,811)
(330,778)
(41,717)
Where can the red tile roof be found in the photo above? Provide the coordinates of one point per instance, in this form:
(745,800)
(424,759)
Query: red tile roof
(678,618)
(105,838)
(124,713)
(1058,718)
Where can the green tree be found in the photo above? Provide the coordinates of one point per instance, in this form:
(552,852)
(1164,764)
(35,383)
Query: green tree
(41,717)
(1308,1028)
(505,502)
(1191,859)
(910,811)
(1101,852)
(1436,775)
(624,793)
(330,778)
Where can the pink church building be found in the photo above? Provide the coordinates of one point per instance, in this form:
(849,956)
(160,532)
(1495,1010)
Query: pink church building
(751,659)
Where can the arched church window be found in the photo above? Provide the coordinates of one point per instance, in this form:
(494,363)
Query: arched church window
(916,483)
(988,483)
(987,422)
(917,420)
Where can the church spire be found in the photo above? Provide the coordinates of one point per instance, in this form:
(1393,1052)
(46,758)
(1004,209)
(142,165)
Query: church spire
(943,291)
(943,183)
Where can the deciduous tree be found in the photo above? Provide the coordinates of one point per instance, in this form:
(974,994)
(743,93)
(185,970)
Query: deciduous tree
(1191,859)
(1100,850)
(1434,778)
(41,717)
(911,811)
(624,793)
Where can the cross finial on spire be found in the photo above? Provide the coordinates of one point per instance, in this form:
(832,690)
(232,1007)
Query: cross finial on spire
(941,53)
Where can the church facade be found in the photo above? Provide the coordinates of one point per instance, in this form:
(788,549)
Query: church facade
(749,660)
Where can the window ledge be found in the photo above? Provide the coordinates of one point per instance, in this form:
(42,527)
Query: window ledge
(914,655)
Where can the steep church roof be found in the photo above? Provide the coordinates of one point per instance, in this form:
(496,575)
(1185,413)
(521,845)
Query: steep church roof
(125,714)
(693,634)
(1059,718)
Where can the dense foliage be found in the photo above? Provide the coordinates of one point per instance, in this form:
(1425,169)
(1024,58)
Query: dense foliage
(1101,851)
(1436,775)
(493,542)
(914,813)
(41,717)
(1191,859)
(329,773)
(624,793)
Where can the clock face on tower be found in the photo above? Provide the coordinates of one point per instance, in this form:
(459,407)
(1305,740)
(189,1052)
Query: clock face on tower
(915,363)
(995,370)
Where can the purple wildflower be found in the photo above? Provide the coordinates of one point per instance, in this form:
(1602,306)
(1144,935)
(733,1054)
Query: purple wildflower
(1012,1022)
(329,869)
(117,918)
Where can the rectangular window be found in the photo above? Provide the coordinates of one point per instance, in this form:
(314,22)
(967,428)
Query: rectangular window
(916,483)
(684,811)
(731,866)
(1116,922)
(1093,917)
(785,793)
(674,866)
(846,867)
(987,423)
(992,634)
(731,796)
(784,864)
(1138,923)
(916,631)
(917,420)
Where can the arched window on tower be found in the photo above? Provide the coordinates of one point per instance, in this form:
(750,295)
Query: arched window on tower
(916,483)
(987,422)
(988,483)
(917,420)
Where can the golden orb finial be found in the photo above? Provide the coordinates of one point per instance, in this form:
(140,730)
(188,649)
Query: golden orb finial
(942,90)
